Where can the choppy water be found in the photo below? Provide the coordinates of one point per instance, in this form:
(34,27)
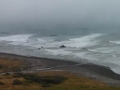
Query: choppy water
(92,46)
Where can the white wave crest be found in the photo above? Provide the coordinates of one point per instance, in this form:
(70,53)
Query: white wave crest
(61,52)
(16,38)
(85,41)
(102,50)
(89,40)
(115,42)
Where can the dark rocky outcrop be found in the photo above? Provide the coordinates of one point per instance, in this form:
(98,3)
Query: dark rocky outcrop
(38,48)
(62,46)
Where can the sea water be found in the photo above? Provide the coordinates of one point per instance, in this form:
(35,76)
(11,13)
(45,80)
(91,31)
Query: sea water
(90,30)
(82,45)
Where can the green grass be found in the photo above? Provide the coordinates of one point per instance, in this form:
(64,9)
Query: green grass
(45,81)
(51,80)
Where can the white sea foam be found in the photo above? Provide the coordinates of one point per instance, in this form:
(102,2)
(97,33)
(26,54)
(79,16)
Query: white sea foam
(87,56)
(76,48)
(26,40)
(16,38)
(61,52)
(115,42)
(41,42)
(85,41)
(102,50)
(116,69)
(44,40)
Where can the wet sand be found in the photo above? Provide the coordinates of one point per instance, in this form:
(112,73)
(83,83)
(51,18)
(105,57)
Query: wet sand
(37,64)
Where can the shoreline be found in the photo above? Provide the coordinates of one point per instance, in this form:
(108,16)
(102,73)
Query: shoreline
(37,64)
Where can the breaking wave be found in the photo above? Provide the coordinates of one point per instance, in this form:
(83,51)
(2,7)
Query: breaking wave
(91,48)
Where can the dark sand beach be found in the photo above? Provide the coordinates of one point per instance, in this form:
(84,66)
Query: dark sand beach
(37,64)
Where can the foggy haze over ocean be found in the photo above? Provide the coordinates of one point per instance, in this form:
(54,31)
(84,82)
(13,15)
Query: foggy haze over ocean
(90,30)
(52,15)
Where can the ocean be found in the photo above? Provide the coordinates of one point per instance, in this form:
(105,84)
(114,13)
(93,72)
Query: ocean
(98,46)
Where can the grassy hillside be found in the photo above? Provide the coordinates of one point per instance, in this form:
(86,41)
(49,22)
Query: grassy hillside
(72,82)
(45,80)
(10,64)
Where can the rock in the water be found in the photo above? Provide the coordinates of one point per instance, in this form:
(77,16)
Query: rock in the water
(63,46)
(38,48)
(84,49)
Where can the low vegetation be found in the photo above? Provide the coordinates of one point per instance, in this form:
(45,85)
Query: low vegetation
(1,83)
(51,80)
(10,64)
(46,80)
(17,82)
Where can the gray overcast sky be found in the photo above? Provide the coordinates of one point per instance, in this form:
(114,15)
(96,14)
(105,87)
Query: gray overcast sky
(50,12)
